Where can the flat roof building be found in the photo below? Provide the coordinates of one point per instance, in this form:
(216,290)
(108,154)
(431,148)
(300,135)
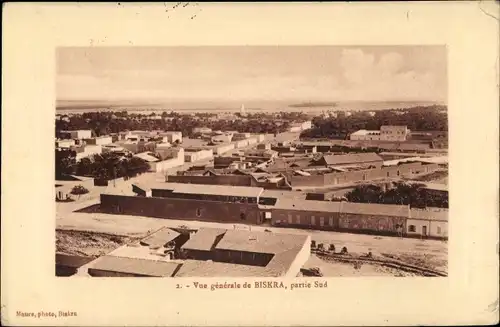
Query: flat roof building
(368,158)
(241,253)
(113,266)
(203,189)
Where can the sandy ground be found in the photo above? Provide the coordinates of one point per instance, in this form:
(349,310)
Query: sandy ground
(337,269)
(88,244)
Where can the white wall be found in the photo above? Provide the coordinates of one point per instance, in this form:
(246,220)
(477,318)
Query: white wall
(300,259)
(65,143)
(439,228)
(198,156)
(223,148)
(82,134)
(435,228)
(103,140)
(241,144)
(418,226)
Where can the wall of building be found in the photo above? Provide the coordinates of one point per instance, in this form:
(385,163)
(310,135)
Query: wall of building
(106,273)
(225,161)
(371,223)
(241,144)
(242,257)
(300,260)
(223,148)
(198,254)
(99,140)
(198,155)
(65,143)
(438,229)
(418,224)
(393,133)
(172,137)
(280,185)
(176,208)
(79,134)
(435,228)
(314,180)
(305,219)
(161,166)
(365,137)
(234,180)
(89,150)
(139,147)
(362,175)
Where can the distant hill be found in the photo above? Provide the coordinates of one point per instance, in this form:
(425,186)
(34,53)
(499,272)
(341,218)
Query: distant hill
(313,104)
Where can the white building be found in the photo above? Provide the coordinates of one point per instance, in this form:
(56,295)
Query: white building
(224,138)
(240,136)
(431,222)
(113,148)
(386,133)
(301,126)
(252,140)
(65,143)
(223,148)
(202,130)
(175,159)
(394,133)
(172,136)
(78,134)
(364,135)
(87,150)
(193,155)
(100,140)
(240,144)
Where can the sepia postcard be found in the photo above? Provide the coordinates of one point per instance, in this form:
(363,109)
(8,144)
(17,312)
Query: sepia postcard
(293,164)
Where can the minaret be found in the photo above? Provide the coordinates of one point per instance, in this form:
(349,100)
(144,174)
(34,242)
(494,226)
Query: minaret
(242,110)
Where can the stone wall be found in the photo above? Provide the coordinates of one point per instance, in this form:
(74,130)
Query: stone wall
(362,175)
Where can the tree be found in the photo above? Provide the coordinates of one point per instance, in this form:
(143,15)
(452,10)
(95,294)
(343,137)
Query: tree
(65,161)
(79,190)
(403,194)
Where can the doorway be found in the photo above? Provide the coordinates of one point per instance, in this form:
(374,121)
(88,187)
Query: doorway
(424,231)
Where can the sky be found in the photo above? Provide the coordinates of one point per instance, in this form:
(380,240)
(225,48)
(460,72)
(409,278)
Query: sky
(239,73)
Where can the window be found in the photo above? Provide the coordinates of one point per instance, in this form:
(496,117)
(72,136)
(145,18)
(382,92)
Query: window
(387,174)
(313,220)
(243,216)
(321,221)
(198,212)
(412,228)
(330,221)
(290,219)
(439,230)
(298,219)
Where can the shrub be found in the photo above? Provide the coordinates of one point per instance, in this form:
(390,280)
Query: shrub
(79,190)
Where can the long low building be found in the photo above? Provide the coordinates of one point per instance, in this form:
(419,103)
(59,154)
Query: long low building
(249,205)
(206,253)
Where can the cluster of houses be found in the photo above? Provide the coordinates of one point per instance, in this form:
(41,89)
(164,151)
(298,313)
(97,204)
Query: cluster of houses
(162,150)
